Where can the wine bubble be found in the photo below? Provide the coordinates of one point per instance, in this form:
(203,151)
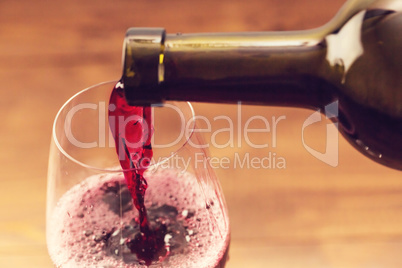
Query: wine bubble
(177,216)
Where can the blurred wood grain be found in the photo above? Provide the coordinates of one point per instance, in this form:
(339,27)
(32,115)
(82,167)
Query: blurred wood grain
(306,215)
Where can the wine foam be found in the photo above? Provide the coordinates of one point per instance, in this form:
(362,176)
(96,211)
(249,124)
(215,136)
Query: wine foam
(84,222)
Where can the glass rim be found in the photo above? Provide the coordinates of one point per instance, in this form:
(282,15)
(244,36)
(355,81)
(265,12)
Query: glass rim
(115,169)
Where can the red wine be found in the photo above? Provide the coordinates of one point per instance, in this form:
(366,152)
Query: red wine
(131,127)
(94,223)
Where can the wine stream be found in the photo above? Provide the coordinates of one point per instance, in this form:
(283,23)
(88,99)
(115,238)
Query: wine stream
(131,127)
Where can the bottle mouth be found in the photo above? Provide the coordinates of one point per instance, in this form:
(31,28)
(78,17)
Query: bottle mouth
(81,130)
(143,65)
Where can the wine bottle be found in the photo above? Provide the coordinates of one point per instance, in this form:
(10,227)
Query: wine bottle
(355,60)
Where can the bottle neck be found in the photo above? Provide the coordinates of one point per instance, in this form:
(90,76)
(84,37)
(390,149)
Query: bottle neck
(255,68)
(271,68)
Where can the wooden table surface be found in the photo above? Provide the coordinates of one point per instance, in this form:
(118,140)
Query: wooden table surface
(306,215)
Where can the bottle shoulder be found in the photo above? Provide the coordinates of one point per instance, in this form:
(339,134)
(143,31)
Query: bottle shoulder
(366,60)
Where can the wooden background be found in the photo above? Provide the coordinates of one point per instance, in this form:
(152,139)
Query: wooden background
(306,215)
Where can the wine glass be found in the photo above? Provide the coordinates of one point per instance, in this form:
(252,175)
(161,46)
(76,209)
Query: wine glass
(91,220)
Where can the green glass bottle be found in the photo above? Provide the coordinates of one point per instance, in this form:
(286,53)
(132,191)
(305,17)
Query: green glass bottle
(355,60)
